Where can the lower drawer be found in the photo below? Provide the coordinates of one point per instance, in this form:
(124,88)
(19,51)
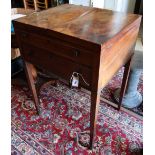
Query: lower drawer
(56,64)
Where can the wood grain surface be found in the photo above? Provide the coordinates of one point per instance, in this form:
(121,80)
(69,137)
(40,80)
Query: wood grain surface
(69,38)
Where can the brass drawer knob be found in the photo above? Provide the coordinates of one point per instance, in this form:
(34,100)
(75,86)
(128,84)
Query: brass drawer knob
(76,53)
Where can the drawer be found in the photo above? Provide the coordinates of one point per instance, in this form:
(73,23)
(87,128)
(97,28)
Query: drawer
(58,47)
(54,63)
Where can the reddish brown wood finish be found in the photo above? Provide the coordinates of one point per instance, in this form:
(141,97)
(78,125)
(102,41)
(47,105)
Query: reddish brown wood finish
(54,45)
(31,82)
(57,64)
(95,100)
(14,11)
(94,42)
(124,82)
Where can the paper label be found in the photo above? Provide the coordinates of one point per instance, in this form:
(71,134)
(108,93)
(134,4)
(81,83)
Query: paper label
(75,81)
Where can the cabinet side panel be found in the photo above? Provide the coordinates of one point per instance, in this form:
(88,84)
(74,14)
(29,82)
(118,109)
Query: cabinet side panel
(116,54)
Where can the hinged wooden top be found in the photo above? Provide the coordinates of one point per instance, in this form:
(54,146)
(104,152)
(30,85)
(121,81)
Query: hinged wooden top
(86,23)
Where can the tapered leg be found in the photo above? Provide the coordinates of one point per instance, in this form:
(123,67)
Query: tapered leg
(31,83)
(95,100)
(124,82)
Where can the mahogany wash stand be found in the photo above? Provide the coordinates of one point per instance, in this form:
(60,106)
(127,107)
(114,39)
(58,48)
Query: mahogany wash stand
(69,38)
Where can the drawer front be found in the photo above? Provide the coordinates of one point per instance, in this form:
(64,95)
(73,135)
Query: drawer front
(56,64)
(58,47)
